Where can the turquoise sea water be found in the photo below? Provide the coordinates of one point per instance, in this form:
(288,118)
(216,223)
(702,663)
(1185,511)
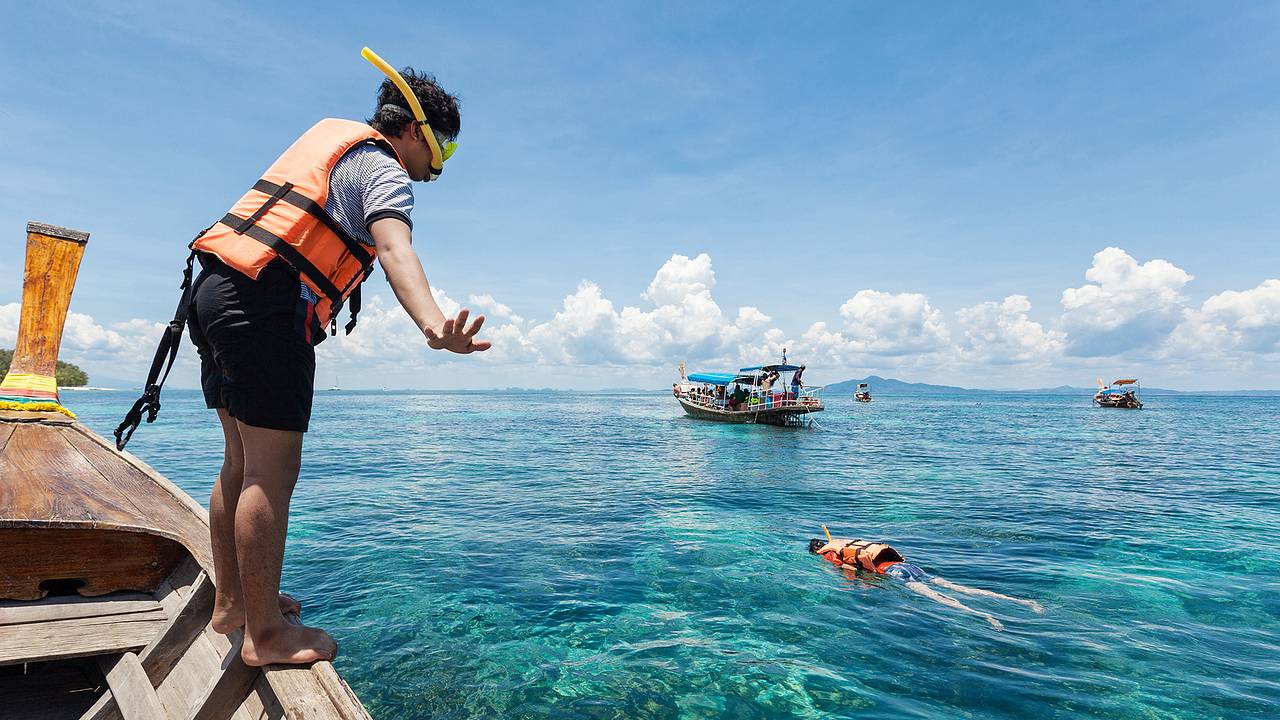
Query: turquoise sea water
(483,555)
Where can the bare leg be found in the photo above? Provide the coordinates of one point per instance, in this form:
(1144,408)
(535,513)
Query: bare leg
(925,590)
(228,608)
(1037,607)
(271,462)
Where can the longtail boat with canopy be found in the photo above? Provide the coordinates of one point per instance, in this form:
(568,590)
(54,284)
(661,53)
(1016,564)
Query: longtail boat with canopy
(762,394)
(1119,394)
(106,572)
(862,393)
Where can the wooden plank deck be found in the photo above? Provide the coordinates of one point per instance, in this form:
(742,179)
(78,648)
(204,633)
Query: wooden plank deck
(13,612)
(79,637)
(134,696)
(72,505)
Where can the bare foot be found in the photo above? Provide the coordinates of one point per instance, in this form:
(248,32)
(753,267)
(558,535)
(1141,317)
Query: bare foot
(288,644)
(229,615)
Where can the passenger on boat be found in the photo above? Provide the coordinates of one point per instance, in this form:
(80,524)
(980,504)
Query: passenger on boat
(255,322)
(796,383)
(766,383)
(880,559)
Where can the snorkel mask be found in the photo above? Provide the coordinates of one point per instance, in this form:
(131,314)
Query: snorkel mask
(440,150)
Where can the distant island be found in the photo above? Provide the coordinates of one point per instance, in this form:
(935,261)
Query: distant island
(890,386)
(68,375)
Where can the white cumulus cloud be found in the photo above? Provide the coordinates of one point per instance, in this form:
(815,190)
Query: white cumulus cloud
(685,322)
(1001,333)
(1124,306)
(1232,322)
(84,340)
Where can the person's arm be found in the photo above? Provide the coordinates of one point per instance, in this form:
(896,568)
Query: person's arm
(392,238)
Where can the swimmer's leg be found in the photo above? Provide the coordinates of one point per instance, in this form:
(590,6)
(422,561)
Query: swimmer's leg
(925,590)
(1035,606)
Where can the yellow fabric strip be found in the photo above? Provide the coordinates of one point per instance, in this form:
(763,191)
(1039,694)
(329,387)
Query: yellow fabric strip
(35,407)
(29,381)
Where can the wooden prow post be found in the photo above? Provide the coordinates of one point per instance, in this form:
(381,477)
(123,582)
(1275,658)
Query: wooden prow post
(53,261)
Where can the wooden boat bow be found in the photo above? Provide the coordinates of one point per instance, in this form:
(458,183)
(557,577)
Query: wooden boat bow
(106,569)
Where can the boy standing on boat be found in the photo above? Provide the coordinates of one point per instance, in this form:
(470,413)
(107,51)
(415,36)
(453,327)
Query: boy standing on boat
(277,269)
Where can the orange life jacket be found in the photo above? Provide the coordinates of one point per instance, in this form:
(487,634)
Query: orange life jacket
(870,556)
(283,216)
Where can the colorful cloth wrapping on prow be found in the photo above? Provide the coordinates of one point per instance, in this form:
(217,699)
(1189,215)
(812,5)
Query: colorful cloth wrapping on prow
(32,393)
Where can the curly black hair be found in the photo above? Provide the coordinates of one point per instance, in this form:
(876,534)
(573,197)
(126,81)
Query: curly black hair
(441,108)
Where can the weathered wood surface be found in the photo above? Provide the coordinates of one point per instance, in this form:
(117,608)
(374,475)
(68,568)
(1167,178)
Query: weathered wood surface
(78,637)
(162,653)
(227,690)
(106,560)
(186,683)
(69,489)
(67,478)
(53,260)
(172,512)
(134,696)
(13,612)
(291,681)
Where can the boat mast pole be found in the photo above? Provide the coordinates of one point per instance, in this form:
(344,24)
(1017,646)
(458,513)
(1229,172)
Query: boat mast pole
(49,275)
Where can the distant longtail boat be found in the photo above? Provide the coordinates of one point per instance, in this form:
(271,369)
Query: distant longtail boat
(1121,394)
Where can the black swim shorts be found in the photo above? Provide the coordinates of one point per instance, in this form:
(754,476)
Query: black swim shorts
(254,337)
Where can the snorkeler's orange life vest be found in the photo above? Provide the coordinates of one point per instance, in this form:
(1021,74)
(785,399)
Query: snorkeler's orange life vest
(870,556)
(283,216)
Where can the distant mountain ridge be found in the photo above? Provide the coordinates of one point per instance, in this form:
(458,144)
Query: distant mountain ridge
(891,386)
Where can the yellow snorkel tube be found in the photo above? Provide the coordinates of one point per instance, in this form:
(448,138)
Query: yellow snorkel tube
(438,154)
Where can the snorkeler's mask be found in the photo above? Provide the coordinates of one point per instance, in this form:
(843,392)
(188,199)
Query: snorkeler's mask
(441,148)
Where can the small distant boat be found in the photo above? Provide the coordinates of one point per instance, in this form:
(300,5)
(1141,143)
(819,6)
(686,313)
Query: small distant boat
(863,393)
(1119,394)
(762,394)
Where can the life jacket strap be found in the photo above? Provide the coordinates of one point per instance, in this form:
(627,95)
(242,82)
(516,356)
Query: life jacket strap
(162,363)
(249,226)
(279,192)
(290,255)
(288,194)
(353,303)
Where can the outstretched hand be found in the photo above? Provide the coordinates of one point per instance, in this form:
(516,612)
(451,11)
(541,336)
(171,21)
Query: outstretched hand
(455,336)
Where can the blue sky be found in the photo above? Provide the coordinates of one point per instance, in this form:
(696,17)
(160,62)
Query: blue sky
(892,173)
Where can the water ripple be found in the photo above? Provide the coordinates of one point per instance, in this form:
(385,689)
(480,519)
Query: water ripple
(601,556)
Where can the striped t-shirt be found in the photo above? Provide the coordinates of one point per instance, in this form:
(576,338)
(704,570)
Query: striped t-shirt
(366,184)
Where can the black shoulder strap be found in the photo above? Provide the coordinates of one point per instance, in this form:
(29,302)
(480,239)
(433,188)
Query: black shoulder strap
(161,364)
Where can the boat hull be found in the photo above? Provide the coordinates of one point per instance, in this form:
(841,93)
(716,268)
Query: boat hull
(107,592)
(1119,404)
(785,415)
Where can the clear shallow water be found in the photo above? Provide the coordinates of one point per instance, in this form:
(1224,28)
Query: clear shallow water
(601,556)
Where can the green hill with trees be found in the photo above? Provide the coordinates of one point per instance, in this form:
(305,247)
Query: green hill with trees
(68,375)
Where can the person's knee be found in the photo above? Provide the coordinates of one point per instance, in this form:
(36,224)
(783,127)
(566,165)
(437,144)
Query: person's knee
(232,470)
(273,479)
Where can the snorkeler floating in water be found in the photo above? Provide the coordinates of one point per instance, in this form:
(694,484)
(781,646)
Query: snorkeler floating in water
(881,559)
